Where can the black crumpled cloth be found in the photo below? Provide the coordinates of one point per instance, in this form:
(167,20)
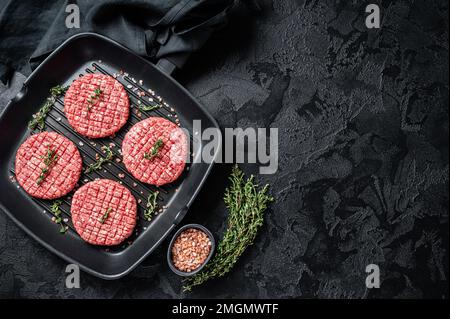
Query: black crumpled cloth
(155,29)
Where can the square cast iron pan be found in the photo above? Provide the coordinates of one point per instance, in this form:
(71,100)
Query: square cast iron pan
(82,53)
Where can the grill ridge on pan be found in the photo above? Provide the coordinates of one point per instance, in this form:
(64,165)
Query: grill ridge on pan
(57,122)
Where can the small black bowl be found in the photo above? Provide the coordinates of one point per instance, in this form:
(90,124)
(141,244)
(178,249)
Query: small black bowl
(169,253)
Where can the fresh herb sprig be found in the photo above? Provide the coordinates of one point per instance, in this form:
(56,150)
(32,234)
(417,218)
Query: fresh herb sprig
(38,120)
(105,215)
(151,206)
(154,150)
(148,108)
(93,98)
(98,164)
(246,203)
(56,210)
(58,90)
(50,159)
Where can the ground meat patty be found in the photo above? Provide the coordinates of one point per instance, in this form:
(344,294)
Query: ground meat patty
(96,116)
(103,212)
(169,162)
(58,178)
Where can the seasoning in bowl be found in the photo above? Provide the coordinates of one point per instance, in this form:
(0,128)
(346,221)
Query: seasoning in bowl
(190,249)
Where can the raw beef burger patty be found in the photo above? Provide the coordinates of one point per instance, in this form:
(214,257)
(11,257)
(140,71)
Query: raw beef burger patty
(103,212)
(96,115)
(58,178)
(169,161)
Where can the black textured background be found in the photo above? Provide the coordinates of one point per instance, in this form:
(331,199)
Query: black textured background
(363,174)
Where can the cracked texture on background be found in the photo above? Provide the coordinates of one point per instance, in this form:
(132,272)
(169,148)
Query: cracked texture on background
(363,169)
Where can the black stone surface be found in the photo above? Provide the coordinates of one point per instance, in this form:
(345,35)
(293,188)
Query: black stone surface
(363,169)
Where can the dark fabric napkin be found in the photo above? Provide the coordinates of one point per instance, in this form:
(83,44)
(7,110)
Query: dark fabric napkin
(170,29)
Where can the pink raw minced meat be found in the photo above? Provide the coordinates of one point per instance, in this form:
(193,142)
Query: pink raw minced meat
(62,175)
(106,114)
(103,212)
(170,161)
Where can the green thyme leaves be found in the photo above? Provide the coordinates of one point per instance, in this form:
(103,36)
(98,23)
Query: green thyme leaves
(56,211)
(38,120)
(246,203)
(154,150)
(50,159)
(58,90)
(93,98)
(98,164)
(148,108)
(105,215)
(151,206)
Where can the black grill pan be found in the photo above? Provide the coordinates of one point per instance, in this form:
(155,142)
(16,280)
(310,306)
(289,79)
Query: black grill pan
(88,53)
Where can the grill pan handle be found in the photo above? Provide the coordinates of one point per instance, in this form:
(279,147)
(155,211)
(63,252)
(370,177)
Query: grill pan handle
(166,66)
(184,29)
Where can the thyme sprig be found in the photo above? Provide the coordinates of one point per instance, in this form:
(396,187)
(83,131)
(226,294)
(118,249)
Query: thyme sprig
(246,203)
(38,120)
(58,90)
(50,159)
(105,215)
(98,164)
(151,206)
(93,98)
(56,210)
(148,108)
(154,150)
